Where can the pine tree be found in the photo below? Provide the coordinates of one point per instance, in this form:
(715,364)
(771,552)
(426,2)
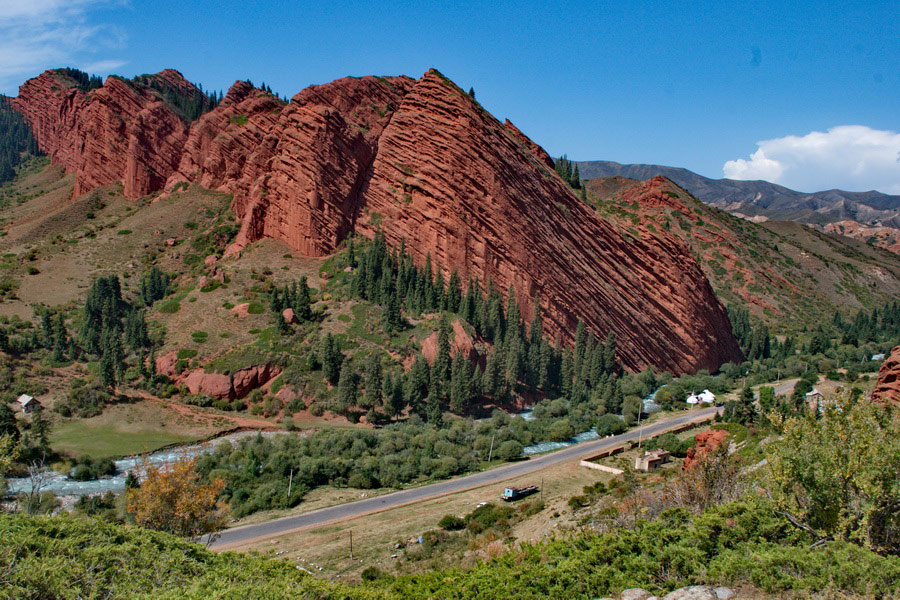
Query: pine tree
(303,304)
(441,369)
(460,386)
(347,392)
(454,293)
(331,357)
(373,382)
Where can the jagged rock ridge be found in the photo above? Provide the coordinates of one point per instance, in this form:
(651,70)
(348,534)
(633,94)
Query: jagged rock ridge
(424,162)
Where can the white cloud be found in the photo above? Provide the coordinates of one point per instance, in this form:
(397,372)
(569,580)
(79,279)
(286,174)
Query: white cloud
(40,34)
(849,157)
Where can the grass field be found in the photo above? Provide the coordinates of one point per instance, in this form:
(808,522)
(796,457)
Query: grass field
(101,441)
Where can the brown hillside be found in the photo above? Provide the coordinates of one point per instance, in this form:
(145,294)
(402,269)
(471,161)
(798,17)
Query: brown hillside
(786,273)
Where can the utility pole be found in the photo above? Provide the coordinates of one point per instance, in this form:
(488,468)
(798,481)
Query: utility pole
(290,484)
(351,543)
(640,424)
(542,490)
(491,453)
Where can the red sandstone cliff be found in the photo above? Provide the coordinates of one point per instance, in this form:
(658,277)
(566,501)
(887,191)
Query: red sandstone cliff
(119,132)
(887,388)
(424,162)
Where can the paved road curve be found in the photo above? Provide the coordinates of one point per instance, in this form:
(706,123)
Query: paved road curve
(239,536)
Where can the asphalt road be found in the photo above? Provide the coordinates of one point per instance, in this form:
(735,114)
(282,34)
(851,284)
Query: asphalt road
(239,536)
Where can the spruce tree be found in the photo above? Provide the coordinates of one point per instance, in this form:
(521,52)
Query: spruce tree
(303,304)
(441,369)
(347,392)
(373,382)
(331,358)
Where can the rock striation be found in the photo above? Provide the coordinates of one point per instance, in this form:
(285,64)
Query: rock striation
(887,388)
(119,132)
(420,160)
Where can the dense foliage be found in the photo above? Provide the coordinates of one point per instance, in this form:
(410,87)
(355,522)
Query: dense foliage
(734,544)
(838,473)
(16,140)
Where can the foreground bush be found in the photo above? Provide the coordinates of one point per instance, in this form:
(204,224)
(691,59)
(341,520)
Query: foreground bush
(735,544)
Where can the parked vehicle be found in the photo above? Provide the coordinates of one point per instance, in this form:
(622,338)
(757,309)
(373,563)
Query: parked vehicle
(513,493)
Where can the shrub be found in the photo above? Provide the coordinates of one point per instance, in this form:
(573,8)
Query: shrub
(509,450)
(451,523)
(186,353)
(170,307)
(609,425)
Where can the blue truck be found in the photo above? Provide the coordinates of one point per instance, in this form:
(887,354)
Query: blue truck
(514,493)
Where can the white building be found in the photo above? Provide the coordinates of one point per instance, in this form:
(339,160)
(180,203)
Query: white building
(705,397)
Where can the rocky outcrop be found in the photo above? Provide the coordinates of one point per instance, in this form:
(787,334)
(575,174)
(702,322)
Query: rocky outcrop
(707,441)
(887,388)
(883,237)
(218,385)
(228,387)
(119,132)
(424,162)
(461,343)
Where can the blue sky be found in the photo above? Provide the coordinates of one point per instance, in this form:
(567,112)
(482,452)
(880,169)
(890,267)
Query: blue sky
(801,93)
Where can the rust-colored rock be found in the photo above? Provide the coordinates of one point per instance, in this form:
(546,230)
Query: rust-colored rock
(119,132)
(228,387)
(165,364)
(460,343)
(425,163)
(247,380)
(289,316)
(199,382)
(707,441)
(887,388)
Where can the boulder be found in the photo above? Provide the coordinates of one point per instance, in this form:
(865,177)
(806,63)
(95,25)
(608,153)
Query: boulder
(635,594)
(165,364)
(706,441)
(217,385)
(693,592)
(289,316)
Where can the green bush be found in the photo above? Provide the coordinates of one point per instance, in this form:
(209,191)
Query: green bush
(451,523)
(170,307)
(186,353)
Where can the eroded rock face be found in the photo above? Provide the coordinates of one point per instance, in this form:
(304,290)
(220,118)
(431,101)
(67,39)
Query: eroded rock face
(425,163)
(120,132)
(887,388)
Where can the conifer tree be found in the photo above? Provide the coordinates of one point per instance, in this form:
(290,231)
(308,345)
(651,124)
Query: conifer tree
(331,359)
(373,382)
(347,392)
(303,303)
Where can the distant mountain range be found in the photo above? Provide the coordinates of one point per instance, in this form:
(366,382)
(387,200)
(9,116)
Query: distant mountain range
(761,198)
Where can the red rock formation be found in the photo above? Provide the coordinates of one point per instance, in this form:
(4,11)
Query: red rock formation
(460,343)
(120,132)
(887,388)
(427,164)
(706,442)
(224,387)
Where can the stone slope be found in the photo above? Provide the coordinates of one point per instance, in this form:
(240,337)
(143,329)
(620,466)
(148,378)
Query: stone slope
(424,162)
